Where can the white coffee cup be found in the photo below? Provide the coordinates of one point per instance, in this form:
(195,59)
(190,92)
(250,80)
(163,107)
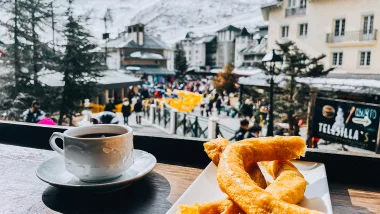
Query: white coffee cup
(96,159)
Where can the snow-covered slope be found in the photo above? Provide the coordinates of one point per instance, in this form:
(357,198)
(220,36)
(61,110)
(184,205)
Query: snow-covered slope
(170,19)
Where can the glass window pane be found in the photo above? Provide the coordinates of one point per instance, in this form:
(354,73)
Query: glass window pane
(362,58)
(340,58)
(306,29)
(337,23)
(301,29)
(368,58)
(365,25)
(371,25)
(334,58)
(343,28)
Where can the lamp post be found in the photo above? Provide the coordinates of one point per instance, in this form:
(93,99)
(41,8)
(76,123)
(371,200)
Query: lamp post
(270,60)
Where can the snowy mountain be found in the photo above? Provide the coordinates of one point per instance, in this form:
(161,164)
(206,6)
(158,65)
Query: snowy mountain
(170,19)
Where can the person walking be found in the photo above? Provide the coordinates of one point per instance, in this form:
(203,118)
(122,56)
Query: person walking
(33,114)
(110,106)
(138,111)
(218,104)
(126,110)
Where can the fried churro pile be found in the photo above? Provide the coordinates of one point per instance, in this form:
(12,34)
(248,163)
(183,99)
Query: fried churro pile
(240,177)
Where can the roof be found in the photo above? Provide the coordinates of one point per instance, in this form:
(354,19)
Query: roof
(230,28)
(111,77)
(150,42)
(244,32)
(204,39)
(271,5)
(349,84)
(118,43)
(259,49)
(149,69)
(145,55)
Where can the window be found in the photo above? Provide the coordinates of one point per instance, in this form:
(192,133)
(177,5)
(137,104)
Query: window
(337,59)
(196,51)
(303,30)
(340,25)
(303,4)
(155,61)
(368,24)
(291,3)
(285,31)
(365,58)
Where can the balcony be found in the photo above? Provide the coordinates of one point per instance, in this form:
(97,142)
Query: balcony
(352,37)
(295,11)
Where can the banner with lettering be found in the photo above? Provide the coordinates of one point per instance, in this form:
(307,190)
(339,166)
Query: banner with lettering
(346,122)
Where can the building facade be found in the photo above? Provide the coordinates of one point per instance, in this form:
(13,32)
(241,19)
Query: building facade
(200,51)
(345,31)
(242,40)
(226,45)
(140,54)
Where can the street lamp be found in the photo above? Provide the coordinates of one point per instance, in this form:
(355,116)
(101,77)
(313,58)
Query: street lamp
(270,60)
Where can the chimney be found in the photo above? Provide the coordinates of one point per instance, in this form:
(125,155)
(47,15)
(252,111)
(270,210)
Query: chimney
(141,34)
(136,32)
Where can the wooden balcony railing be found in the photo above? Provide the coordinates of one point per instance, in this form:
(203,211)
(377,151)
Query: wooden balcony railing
(352,36)
(295,11)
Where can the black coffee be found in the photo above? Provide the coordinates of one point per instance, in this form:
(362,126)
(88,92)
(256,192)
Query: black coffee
(99,135)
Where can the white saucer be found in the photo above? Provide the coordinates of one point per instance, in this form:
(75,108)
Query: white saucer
(53,172)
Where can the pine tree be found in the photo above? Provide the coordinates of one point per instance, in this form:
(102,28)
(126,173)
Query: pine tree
(27,54)
(80,66)
(39,14)
(296,64)
(180,63)
(225,80)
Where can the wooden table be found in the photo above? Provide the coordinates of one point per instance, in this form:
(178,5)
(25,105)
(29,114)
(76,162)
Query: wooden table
(22,192)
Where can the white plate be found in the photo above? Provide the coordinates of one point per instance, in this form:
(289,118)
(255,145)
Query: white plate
(53,172)
(317,196)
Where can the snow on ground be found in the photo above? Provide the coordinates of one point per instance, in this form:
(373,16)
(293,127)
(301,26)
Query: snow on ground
(171,19)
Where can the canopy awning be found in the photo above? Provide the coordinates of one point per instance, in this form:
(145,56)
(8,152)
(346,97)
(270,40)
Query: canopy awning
(110,79)
(351,84)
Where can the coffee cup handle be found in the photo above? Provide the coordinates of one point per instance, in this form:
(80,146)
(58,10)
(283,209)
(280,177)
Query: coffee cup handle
(53,144)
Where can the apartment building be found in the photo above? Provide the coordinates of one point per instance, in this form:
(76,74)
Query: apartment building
(249,50)
(140,54)
(226,45)
(241,42)
(200,51)
(344,30)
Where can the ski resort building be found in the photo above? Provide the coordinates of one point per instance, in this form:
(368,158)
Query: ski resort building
(141,55)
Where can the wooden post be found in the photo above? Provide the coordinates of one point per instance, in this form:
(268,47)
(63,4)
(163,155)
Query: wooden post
(106,95)
(310,113)
(122,93)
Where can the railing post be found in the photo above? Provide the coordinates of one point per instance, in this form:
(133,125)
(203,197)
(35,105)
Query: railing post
(162,113)
(159,115)
(196,127)
(173,121)
(212,127)
(184,124)
(152,110)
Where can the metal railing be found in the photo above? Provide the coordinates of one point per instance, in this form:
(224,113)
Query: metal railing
(295,11)
(225,132)
(351,36)
(191,125)
(186,124)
